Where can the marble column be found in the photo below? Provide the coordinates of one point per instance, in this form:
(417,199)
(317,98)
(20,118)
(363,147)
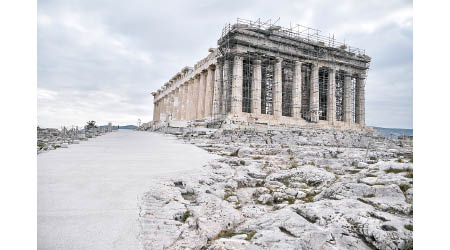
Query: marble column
(278,89)
(226,98)
(331,96)
(314,93)
(195,97)
(201,95)
(155,105)
(184,102)
(158,110)
(348,98)
(297,91)
(360,107)
(178,104)
(165,108)
(190,100)
(218,91)
(171,106)
(256,88)
(209,92)
(236,91)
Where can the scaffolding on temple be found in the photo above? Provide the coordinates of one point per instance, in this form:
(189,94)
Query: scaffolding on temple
(313,46)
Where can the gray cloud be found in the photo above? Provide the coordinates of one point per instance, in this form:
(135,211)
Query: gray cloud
(101,59)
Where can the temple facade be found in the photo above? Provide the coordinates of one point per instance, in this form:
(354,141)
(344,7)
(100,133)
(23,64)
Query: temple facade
(265,74)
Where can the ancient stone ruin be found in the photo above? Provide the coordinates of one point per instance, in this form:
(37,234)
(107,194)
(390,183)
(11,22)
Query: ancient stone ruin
(262,73)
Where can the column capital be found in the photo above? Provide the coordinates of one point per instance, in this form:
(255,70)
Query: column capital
(296,62)
(257,61)
(279,59)
(347,74)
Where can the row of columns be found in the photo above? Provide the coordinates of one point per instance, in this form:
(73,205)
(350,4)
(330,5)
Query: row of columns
(237,82)
(192,100)
(206,94)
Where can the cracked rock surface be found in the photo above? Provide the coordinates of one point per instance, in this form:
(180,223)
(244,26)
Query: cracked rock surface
(291,189)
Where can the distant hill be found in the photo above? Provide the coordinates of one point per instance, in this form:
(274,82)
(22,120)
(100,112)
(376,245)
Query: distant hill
(106,126)
(386,132)
(114,127)
(128,127)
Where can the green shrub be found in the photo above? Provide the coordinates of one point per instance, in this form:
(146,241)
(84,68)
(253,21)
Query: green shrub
(291,200)
(226,234)
(403,187)
(409,174)
(396,170)
(409,227)
(186,215)
(250,235)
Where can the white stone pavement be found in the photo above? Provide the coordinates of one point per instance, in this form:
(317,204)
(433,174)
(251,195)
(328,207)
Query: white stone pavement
(88,193)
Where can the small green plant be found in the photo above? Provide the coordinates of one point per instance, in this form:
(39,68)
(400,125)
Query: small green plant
(227,194)
(291,200)
(186,215)
(242,162)
(226,234)
(369,196)
(260,184)
(285,182)
(409,174)
(370,175)
(309,197)
(291,158)
(363,201)
(403,187)
(373,158)
(399,160)
(257,157)
(408,245)
(396,170)
(409,227)
(250,235)
(293,165)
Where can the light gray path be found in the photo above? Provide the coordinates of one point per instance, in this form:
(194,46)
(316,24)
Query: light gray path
(87,193)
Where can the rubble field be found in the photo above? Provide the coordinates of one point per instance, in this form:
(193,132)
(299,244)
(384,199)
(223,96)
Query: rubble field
(286,189)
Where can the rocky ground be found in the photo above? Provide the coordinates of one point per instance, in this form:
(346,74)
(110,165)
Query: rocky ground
(277,189)
(50,138)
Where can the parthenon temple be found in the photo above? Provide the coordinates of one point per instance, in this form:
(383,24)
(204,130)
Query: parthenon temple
(261,73)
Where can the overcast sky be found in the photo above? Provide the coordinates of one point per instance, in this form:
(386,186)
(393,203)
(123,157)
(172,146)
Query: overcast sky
(100,60)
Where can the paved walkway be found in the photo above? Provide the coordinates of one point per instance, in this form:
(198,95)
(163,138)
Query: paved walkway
(88,193)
